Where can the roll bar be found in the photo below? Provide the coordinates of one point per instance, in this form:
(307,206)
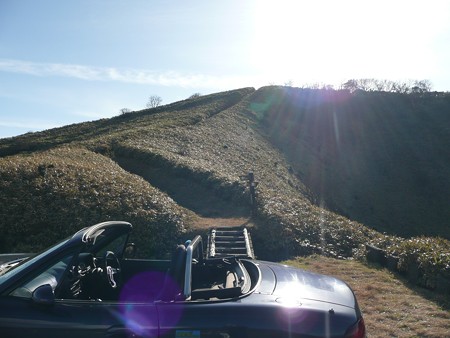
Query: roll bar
(195,247)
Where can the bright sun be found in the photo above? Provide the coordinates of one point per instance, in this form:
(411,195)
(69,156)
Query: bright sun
(332,41)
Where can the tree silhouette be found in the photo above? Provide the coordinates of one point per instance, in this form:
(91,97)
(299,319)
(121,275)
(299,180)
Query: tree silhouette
(154,101)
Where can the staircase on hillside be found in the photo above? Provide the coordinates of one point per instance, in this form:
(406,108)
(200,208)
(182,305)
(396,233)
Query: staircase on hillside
(225,241)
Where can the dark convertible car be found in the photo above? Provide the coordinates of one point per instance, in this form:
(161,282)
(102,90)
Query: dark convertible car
(85,286)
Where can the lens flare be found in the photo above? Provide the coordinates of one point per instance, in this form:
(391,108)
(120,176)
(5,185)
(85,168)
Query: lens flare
(138,307)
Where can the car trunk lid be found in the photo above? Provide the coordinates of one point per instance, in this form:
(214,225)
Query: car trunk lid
(297,284)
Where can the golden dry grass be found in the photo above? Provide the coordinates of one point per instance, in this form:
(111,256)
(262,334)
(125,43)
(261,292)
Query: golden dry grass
(208,223)
(391,308)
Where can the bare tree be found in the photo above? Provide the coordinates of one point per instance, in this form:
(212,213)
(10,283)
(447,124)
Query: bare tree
(326,86)
(422,86)
(194,96)
(124,111)
(402,87)
(350,85)
(154,101)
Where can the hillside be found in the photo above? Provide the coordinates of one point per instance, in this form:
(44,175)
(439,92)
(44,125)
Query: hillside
(335,169)
(48,196)
(376,157)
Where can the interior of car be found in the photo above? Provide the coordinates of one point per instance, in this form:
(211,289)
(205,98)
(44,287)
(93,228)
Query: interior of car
(104,274)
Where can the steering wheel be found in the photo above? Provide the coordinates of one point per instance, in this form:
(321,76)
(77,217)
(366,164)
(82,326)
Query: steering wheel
(113,270)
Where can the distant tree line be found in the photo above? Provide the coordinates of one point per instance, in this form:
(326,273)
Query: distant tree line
(371,85)
(352,85)
(403,87)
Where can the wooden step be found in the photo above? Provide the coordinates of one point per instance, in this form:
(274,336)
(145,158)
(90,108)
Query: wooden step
(224,242)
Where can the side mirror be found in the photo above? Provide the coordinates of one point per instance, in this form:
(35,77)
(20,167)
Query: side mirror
(130,250)
(44,295)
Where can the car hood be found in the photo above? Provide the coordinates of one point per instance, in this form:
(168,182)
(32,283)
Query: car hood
(290,284)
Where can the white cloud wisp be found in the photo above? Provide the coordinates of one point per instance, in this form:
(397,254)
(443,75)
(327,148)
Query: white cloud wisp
(135,76)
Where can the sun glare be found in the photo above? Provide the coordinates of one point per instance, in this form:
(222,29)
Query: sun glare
(332,41)
(297,40)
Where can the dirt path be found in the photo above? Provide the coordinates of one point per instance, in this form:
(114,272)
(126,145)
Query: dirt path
(207,223)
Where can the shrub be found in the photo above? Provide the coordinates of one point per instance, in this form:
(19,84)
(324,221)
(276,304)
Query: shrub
(431,256)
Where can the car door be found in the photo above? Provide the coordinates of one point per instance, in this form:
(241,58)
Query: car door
(29,308)
(202,319)
(232,318)
(21,317)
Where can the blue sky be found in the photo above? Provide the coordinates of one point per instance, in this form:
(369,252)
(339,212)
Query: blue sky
(63,62)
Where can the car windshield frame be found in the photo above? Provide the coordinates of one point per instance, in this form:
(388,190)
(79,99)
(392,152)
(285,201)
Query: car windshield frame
(14,270)
(89,237)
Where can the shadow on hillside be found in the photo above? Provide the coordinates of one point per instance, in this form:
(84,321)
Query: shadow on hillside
(187,190)
(379,158)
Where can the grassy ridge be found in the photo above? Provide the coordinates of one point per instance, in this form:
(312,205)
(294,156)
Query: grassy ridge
(189,111)
(50,195)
